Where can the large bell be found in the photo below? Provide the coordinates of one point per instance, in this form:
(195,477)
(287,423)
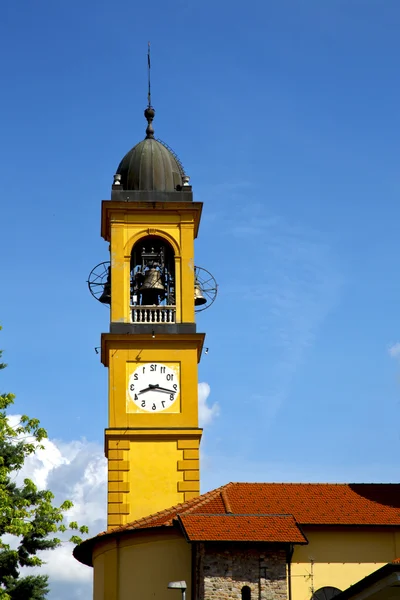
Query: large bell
(152,287)
(199,299)
(105,297)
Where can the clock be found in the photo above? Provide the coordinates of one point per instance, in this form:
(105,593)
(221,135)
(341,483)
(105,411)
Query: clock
(154,387)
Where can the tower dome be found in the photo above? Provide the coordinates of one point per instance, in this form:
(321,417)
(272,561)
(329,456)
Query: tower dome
(150,165)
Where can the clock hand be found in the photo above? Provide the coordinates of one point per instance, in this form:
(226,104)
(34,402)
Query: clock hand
(157,388)
(150,387)
(165,390)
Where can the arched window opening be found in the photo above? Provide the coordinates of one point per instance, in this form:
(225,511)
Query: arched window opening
(152,281)
(246,593)
(152,272)
(325,593)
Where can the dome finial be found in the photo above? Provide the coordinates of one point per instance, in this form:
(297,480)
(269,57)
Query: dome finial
(149,112)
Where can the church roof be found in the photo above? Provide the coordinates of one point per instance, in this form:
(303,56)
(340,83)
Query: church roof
(309,503)
(275,512)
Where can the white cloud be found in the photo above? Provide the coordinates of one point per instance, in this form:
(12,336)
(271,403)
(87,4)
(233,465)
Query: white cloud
(75,471)
(394,350)
(206,413)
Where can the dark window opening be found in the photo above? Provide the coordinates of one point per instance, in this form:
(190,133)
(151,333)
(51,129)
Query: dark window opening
(246,593)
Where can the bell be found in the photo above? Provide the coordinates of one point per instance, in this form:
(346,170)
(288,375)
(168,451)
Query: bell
(152,287)
(105,297)
(199,299)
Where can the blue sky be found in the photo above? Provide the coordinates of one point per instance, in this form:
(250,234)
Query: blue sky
(286,116)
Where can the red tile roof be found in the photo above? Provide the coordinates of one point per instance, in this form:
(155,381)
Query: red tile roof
(242,528)
(309,503)
(318,504)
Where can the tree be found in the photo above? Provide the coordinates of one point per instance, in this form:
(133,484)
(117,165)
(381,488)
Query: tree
(26,513)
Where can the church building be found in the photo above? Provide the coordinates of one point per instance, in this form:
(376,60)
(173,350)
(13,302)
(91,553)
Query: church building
(242,541)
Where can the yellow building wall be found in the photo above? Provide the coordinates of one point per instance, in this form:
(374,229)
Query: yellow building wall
(139,567)
(141,564)
(150,471)
(157,487)
(340,558)
(122,353)
(153,458)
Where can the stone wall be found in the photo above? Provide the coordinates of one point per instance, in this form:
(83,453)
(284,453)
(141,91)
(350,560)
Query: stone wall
(223,570)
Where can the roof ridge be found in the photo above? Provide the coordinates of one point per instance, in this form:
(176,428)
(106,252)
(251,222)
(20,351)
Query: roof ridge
(207,497)
(226,502)
(238,515)
(316,483)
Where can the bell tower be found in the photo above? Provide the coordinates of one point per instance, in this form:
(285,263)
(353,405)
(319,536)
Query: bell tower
(152,348)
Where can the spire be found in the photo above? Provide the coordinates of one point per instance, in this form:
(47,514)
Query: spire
(149,112)
(148,76)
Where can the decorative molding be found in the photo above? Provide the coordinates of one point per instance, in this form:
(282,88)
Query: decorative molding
(190,486)
(117,452)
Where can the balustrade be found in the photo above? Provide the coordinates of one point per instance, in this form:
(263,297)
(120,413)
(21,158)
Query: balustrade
(153,314)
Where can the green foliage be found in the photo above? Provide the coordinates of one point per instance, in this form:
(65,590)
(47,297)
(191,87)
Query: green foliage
(34,588)
(26,513)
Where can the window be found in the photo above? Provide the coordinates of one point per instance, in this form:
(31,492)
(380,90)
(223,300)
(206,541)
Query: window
(324,593)
(246,593)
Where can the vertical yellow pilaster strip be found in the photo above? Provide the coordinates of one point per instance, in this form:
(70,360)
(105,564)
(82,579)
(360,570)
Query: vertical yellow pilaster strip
(111,574)
(187,272)
(178,289)
(119,276)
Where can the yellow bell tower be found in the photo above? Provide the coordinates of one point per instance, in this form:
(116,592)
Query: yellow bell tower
(152,349)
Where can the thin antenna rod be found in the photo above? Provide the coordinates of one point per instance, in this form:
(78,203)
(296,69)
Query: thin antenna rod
(148,74)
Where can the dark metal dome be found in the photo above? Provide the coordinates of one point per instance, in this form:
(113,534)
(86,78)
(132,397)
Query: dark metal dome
(150,165)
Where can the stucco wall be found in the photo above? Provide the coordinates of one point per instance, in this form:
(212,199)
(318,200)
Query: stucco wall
(340,558)
(140,566)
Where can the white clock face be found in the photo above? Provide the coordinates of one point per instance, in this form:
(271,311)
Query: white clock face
(154,387)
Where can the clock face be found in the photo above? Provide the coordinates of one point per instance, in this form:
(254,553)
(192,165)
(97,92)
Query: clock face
(154,387)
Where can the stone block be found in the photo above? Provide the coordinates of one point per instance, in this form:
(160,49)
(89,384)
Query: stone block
(118,444)
(188,465)
(189,454)
(183,444)
(191,475)
(115,454)
(118,465)
(188,486)
(118,486)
